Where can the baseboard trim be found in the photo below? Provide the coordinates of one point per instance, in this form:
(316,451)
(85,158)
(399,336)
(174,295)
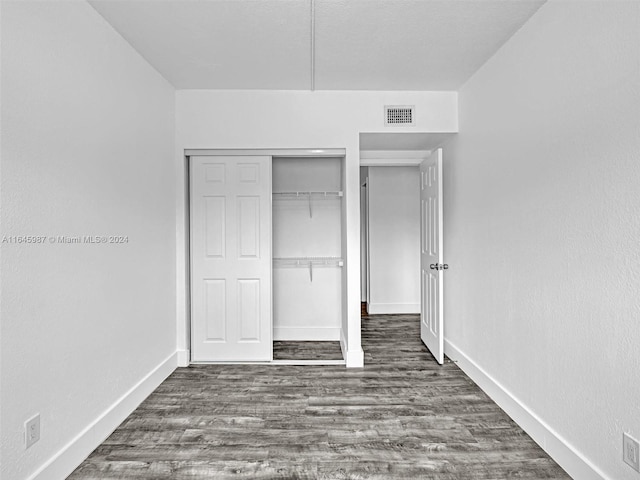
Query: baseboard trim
(353,358)
(77,450)
(184,358)
(308,334)
(565,454)
(393,308)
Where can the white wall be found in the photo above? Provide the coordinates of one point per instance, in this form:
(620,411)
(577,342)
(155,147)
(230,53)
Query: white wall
(87,149)
(542,227)
(394,240)
(299,119)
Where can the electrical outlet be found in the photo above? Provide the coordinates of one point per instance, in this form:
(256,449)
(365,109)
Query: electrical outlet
(32,430)
(631,451)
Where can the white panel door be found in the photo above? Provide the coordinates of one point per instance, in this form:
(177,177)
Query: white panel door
(230,225)
(431,266)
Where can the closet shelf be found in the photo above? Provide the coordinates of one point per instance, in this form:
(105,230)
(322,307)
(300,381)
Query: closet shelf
(308,262)
(305,261)
(329,194)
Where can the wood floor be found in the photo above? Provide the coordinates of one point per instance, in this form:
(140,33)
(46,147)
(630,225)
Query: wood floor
(307,351)
(401,417)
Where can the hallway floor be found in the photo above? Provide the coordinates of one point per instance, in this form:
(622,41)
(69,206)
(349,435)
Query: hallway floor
(401,417)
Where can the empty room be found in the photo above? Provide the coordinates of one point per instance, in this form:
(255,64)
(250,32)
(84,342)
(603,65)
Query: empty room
(320,239)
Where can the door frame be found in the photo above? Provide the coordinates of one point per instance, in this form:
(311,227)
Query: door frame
(184,356)
(395,160)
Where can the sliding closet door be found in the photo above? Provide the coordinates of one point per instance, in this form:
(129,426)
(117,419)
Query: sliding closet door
(230,224)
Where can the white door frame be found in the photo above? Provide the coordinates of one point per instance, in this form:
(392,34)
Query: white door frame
(381,161)
(184,356)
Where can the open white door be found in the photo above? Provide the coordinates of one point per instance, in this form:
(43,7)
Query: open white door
(431,266)
(230,224)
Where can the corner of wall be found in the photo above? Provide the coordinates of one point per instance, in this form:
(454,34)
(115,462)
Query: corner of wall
(558,448)
(183,358)
(353,358)
(77,450)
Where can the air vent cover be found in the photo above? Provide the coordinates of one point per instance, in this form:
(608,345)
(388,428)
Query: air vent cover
(399,115)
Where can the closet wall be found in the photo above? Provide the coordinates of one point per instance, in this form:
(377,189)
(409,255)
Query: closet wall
(307,248)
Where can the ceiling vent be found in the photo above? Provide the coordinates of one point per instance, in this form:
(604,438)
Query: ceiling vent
(399,115)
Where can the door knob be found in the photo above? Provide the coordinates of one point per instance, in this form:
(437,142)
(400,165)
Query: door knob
(438,266)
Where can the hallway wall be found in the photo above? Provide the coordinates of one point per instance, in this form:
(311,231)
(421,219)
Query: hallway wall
(542,224)
(88,330)
(394,240)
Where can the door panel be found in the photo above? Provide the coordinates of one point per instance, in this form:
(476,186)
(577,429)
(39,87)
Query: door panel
(215,312)
(249,309)
(230,225)
(431,281)
(214,217)
(248,227)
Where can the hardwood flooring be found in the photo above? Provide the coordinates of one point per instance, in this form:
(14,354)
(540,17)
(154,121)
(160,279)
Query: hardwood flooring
(401,417)
(306,351)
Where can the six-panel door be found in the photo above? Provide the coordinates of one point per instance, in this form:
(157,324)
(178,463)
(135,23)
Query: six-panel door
(431,240)
(230,233)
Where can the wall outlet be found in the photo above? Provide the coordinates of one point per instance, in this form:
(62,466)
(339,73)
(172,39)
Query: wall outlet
(32,430)
(631,451)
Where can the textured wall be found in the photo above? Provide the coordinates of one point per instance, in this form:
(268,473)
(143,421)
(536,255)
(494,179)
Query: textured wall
(542,212)
(87,149)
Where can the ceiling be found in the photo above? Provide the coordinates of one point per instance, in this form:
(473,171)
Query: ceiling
(317,44)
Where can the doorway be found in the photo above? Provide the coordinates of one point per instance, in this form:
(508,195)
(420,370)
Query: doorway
(391,239)
(400,205)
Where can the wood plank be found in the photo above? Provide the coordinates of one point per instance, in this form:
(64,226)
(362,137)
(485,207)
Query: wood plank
(307,350)
(401,417)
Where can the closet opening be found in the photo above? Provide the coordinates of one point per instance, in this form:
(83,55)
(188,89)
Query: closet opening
(307,203)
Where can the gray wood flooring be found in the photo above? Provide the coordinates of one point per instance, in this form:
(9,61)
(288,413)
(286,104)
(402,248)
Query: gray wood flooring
(401,417)
(307,351)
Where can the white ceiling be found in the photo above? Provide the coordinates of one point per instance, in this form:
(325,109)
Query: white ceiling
(317,44)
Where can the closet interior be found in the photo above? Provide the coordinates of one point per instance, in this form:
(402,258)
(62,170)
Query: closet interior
(307,246)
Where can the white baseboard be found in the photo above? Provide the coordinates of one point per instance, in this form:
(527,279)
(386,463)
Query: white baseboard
(184,358)
(306,333)
(353,358)
(73,454)
(565,454)
(392,308)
